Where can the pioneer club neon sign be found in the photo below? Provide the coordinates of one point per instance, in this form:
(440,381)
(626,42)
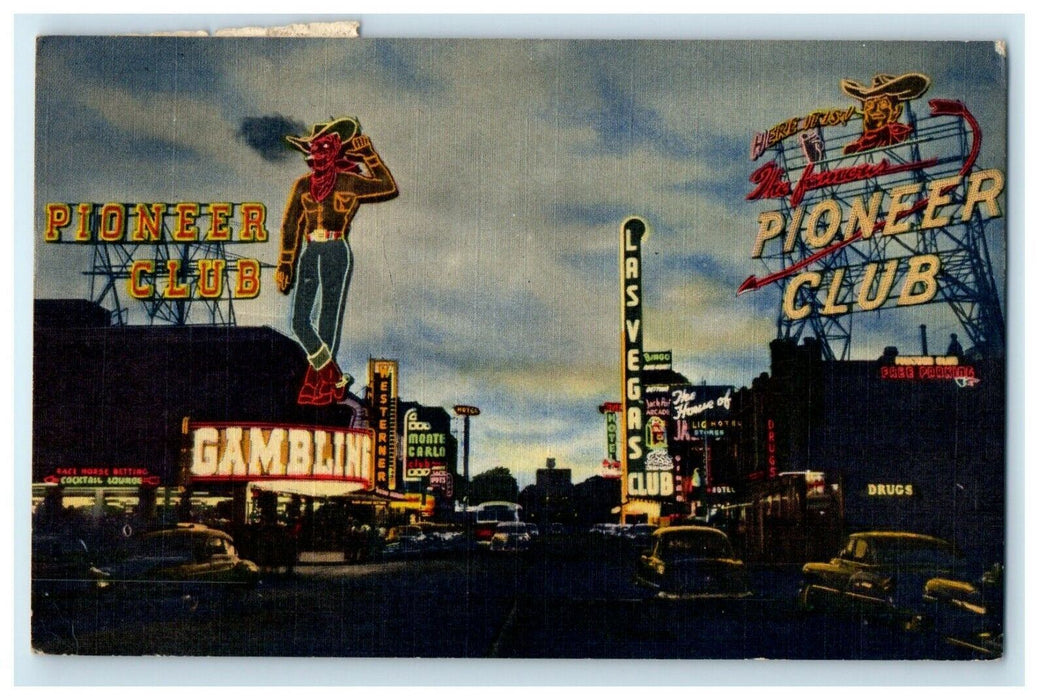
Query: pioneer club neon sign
(156,224)
(843,195)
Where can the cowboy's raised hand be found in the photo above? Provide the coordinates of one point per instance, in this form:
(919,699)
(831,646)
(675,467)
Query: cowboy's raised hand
(359,143)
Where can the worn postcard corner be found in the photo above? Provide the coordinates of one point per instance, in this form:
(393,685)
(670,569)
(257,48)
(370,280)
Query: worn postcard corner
(345,29)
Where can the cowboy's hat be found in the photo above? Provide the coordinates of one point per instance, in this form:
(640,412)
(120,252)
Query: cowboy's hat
(345,127)
(903,87)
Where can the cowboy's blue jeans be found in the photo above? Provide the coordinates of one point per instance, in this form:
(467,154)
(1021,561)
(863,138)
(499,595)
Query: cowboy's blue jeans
(324,271)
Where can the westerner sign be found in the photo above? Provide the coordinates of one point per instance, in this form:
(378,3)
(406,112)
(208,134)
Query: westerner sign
(226,452)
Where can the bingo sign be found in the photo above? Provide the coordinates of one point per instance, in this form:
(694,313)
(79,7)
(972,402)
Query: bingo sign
(875,203)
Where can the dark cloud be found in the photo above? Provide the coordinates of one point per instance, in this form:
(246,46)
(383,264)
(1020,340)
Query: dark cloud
(265,135)
(181,66)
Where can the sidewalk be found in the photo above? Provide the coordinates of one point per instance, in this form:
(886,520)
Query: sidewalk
(321,558)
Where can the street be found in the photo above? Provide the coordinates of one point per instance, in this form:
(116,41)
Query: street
(574,603)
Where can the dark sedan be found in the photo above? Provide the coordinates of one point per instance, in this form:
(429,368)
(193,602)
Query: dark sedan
(882,573)
(969,613)
(190,561)
(62,564)
(692,562)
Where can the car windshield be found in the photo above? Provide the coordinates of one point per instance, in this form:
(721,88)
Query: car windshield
(499,513)
(168,547)
(512,527)
(696,544)
(915,553)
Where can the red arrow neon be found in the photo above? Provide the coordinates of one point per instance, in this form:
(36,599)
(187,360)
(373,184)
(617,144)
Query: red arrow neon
(937,108)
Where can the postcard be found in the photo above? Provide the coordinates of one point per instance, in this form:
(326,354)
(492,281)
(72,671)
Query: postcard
(461,348)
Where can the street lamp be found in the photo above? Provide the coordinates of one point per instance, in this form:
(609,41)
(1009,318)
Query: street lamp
(466,412)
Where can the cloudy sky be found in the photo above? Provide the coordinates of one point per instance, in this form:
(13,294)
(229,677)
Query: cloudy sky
(493,277)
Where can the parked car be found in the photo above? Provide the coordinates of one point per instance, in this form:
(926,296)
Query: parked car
(969,615)
(881,573)
(62,564)
(510,537)
(641,535)
(407,539)
(604,529)
(442,537)
(619,531)
(690,561)
(189,561)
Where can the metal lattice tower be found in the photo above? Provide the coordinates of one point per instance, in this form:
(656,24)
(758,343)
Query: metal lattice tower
(947,141)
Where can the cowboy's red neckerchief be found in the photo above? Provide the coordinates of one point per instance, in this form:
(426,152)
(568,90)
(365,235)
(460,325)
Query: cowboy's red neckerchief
(326,164)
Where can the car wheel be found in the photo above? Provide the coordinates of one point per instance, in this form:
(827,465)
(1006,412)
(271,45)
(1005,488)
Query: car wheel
(916,623)
(190,602)
(806,598)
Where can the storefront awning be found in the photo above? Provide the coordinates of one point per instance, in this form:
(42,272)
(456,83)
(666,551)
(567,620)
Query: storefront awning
(305,487)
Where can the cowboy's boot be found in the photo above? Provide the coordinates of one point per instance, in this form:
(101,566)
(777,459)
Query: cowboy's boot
(309,388)
(335,380)
(324,387)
